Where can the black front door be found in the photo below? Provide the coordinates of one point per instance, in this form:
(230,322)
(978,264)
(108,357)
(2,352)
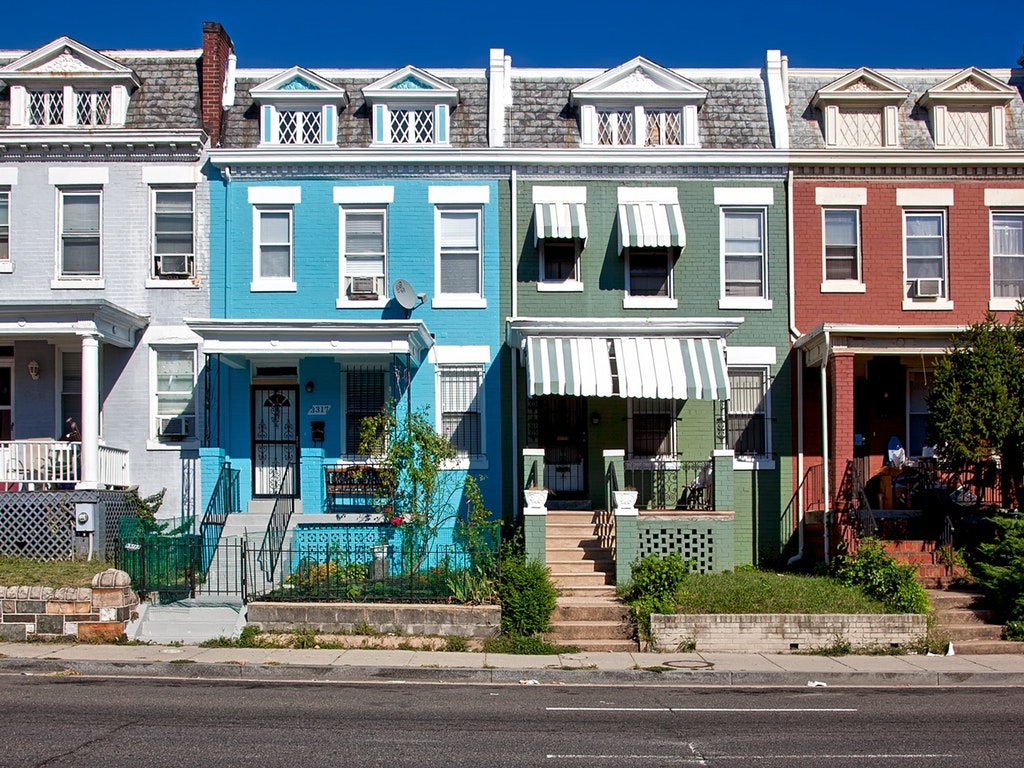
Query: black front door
(275,438)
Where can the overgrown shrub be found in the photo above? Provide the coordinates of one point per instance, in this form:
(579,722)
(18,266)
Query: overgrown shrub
(882,578)
(527,596)
(652,588)
(999,568)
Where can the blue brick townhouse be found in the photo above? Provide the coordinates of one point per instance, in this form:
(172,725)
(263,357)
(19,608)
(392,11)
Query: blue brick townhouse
(355,249)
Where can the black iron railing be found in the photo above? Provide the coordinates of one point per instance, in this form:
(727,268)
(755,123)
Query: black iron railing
(670,483)
(277,526)
(223,502)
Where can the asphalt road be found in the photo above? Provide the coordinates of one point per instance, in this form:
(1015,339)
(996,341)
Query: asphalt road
(78,721)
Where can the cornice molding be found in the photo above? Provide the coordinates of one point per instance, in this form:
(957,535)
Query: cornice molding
(49,143)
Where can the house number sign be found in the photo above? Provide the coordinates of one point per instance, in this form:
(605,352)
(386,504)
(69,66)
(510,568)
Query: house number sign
(318,410)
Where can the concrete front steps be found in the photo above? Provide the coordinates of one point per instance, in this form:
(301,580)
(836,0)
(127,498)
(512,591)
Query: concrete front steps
(924,556)
(969,627)
(591,624)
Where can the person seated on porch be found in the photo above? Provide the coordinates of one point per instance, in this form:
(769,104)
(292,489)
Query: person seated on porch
(71,435)
(895,455)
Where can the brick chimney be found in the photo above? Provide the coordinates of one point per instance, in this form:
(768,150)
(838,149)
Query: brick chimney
(217,51)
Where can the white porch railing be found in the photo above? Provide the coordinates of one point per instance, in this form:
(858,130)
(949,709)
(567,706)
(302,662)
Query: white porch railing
(30,465)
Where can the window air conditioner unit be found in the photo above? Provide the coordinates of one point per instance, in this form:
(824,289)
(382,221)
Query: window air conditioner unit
(363,287)
(174,266)
(175,427)
(928,288)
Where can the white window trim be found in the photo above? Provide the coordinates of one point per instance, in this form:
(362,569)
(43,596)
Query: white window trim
(270,134)
(767,460)
(262,284)
(7,264)
(573,284)
(469,359)
(441,135)
(845,285)
(153,442)
(688,124)
(744,302)
(442,300)
(630,301)
(942,303)
(999,303)
(153,280)
(69,282)
(344,301)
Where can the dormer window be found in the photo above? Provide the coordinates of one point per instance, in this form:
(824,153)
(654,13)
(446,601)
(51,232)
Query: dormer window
(299,108)
(67,84)
(411,106)
(860,110)
(968,110)
(639,104)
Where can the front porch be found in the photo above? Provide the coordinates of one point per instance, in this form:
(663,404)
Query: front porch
(45,464)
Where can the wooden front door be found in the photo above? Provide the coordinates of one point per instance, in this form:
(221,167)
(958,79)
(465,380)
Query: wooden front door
(275,437)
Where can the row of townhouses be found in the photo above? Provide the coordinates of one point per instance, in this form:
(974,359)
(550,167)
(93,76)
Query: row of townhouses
(718,286)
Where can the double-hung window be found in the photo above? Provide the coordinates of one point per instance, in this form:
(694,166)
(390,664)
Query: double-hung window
(747,423)
(649,272)
(459,252)
(651,428)
(79,233)
(560,261)
(366,394)
(1008,254)
(925,254)
(743,253)
(460,395)
(173,394)
(5,226)
(842,244)
(365,252)
(273,253)
(173,233)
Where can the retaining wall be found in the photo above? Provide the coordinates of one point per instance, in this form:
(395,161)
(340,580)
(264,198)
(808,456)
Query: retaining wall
(346,618)
(783,633)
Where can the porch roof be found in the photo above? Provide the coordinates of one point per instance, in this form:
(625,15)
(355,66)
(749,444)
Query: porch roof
(74,318)
(827,338)
(243,339)
(672,359)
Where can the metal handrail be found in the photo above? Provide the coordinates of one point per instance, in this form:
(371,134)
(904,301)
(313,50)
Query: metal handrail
(223,501)
(277,526)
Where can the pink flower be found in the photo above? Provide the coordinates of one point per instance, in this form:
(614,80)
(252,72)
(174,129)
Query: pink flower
(397,520)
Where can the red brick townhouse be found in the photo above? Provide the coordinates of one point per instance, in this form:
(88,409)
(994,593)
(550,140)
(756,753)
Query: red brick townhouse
(907,225)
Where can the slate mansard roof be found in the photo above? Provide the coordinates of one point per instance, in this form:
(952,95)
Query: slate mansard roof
(805,122)
(468,119)
(167,98)
(734,116)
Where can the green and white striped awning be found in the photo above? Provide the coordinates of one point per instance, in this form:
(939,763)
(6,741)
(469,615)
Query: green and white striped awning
(651,225)
(661,367)
(559,221)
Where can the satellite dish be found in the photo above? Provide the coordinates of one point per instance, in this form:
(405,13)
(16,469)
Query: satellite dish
(404,294)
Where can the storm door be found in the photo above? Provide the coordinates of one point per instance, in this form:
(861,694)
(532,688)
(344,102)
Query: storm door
(6,415)
(275,437)
(562,433)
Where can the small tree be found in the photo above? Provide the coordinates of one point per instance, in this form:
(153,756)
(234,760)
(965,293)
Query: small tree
(421,491)
(976,402)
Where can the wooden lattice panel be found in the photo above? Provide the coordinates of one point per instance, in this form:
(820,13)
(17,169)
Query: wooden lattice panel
(37,525)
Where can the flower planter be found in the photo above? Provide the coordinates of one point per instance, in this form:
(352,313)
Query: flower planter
(625,499)
(536,498)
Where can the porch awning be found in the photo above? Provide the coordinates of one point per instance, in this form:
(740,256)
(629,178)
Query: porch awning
(651,225)
(559,221)
(627,366)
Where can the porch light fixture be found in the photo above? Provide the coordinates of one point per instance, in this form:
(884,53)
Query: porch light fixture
(33,370)
(310,386)
(595,418)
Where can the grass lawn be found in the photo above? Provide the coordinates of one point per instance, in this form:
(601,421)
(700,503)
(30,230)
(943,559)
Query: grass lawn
(24,572)
(763,592)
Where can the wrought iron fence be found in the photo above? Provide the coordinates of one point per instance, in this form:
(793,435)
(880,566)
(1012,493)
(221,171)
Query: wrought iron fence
(670,483)
(166,565)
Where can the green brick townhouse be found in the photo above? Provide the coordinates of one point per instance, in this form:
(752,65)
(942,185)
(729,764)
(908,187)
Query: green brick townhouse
(648,314)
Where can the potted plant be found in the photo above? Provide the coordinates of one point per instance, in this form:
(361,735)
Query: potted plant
(536,497)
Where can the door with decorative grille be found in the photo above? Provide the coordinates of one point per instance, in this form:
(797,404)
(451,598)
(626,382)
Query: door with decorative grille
(275,440)
(562,433)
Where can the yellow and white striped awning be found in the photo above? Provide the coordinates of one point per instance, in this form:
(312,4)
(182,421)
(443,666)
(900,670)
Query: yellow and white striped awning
(559,221)
(627,366)
(651,225)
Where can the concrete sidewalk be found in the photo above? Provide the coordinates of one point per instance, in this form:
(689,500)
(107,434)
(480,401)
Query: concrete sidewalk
(679,669)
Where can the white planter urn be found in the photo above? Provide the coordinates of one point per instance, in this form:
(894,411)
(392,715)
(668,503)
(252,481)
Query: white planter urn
(625,499)
(536,498)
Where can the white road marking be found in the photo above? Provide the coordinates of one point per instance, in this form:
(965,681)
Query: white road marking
(704,760)
(696,709)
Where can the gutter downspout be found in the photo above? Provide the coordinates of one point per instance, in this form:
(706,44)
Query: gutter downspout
(825,453)
(794,335)
(517,482)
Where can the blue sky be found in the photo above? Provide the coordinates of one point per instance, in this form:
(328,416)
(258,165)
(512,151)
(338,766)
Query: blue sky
(601,33)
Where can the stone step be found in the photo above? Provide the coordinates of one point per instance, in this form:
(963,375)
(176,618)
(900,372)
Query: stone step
(601,646)
(942,599)
(958,632)
(573,540)
(987,647)
(963,616)
(591,578)
(576,565)
(586,590)
(566,554)
(574,516)
(570,631)
(597,611)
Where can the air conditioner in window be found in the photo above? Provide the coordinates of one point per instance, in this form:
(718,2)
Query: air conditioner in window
(174,266)
(363,287)
(176,427)
(928,287)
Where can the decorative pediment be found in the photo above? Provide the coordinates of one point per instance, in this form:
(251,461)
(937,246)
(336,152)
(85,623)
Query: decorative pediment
(298,85)
(861,86)
(639,81)
(411,85)
(969,86)
(67,61)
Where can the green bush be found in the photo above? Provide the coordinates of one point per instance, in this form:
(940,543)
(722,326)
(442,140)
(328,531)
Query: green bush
(652,588)
(999,569)
(882,578)
(527,596)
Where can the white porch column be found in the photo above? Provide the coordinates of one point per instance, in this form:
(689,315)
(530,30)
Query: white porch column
(90,426)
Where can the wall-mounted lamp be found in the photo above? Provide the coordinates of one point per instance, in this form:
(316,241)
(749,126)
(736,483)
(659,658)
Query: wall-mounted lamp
(595,418)
(310,386)
(33,370)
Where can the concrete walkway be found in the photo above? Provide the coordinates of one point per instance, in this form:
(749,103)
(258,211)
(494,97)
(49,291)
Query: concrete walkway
(681,669)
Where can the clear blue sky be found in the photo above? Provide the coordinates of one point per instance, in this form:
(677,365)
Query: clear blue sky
(600,33)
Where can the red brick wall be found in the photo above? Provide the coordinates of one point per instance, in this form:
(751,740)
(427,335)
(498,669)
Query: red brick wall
(217,47)
(840,396)
(882,255)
